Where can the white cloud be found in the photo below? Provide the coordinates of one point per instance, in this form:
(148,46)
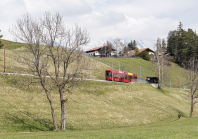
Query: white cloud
(66,7)
(108,18)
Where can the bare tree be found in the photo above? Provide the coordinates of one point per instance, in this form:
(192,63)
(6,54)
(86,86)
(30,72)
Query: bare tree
(55,48)
(119,46)
(191,75)
(108,47)
(160,59)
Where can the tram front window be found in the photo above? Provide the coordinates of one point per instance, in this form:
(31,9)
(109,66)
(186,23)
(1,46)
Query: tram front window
(108,74)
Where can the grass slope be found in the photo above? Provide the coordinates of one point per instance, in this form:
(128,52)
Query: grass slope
(11,44)
(179,129)
(148,69)
(97,68)
(97,105)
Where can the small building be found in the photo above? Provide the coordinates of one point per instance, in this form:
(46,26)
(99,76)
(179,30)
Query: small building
(97,52)
(154,81)
(132,52)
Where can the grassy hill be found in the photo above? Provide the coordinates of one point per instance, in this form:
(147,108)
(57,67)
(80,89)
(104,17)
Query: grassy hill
(11,45)
(96,105)
(148,69)
(98,66)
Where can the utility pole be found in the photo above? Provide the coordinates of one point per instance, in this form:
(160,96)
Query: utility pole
(170,81)
(119,65)
(4,58)
(105,52)
(119,70)
(140,72)
(184,83)
(89,69)
(112,70)
(81,67)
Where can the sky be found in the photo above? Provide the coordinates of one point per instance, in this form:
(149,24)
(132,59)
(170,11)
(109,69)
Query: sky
(103,19)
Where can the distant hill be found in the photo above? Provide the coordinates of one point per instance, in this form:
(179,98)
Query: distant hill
(11,44)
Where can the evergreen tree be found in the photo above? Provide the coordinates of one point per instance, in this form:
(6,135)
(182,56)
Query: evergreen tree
(164,44)
(1,45)
(132,45)
(183,44)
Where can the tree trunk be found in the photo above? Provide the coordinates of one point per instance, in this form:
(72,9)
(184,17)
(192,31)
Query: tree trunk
(53,114)
(62,115)
(191,113)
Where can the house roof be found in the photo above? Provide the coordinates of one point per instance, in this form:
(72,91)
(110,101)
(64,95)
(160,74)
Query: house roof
(132,52)
(144,49)
(97,48)
(93,49)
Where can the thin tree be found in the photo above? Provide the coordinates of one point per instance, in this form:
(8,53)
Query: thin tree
(107,49)
(52,44)
(160,58)
(191,75)
(1,45)
(118,45)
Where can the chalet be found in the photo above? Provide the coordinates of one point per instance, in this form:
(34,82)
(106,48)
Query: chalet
(100,52)
(132,52)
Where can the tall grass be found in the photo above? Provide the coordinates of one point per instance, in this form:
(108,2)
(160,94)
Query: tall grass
(93,105)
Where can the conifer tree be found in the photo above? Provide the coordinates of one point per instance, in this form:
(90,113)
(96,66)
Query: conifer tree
(130,46)
(1,45)
(134,44)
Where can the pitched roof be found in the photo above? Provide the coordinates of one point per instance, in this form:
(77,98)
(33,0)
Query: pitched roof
(132,52)
(93,49)
(143,49)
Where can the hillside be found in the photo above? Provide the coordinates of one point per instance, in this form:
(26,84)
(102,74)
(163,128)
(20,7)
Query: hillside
(96,105)
(97,66)
(148,69)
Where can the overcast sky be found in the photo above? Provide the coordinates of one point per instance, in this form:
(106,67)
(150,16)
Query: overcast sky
(142,19)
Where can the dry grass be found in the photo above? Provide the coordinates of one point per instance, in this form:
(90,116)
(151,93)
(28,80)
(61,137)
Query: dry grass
(96,105)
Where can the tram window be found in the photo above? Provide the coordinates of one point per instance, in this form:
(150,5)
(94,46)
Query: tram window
(125,76)
(116,75)
(108,74)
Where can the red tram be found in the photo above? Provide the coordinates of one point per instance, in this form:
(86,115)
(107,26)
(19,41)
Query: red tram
(119,76)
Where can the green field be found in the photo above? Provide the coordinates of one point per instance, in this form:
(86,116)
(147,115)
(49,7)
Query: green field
(177,129)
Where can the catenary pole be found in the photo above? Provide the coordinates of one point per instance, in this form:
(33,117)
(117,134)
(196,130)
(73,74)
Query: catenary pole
(170,81)
(140,72)
(112,70)
(4,58)
(89,69)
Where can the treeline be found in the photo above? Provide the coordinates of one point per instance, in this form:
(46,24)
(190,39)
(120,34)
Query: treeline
(183,44)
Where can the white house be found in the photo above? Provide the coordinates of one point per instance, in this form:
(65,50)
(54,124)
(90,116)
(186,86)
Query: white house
(96,52)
